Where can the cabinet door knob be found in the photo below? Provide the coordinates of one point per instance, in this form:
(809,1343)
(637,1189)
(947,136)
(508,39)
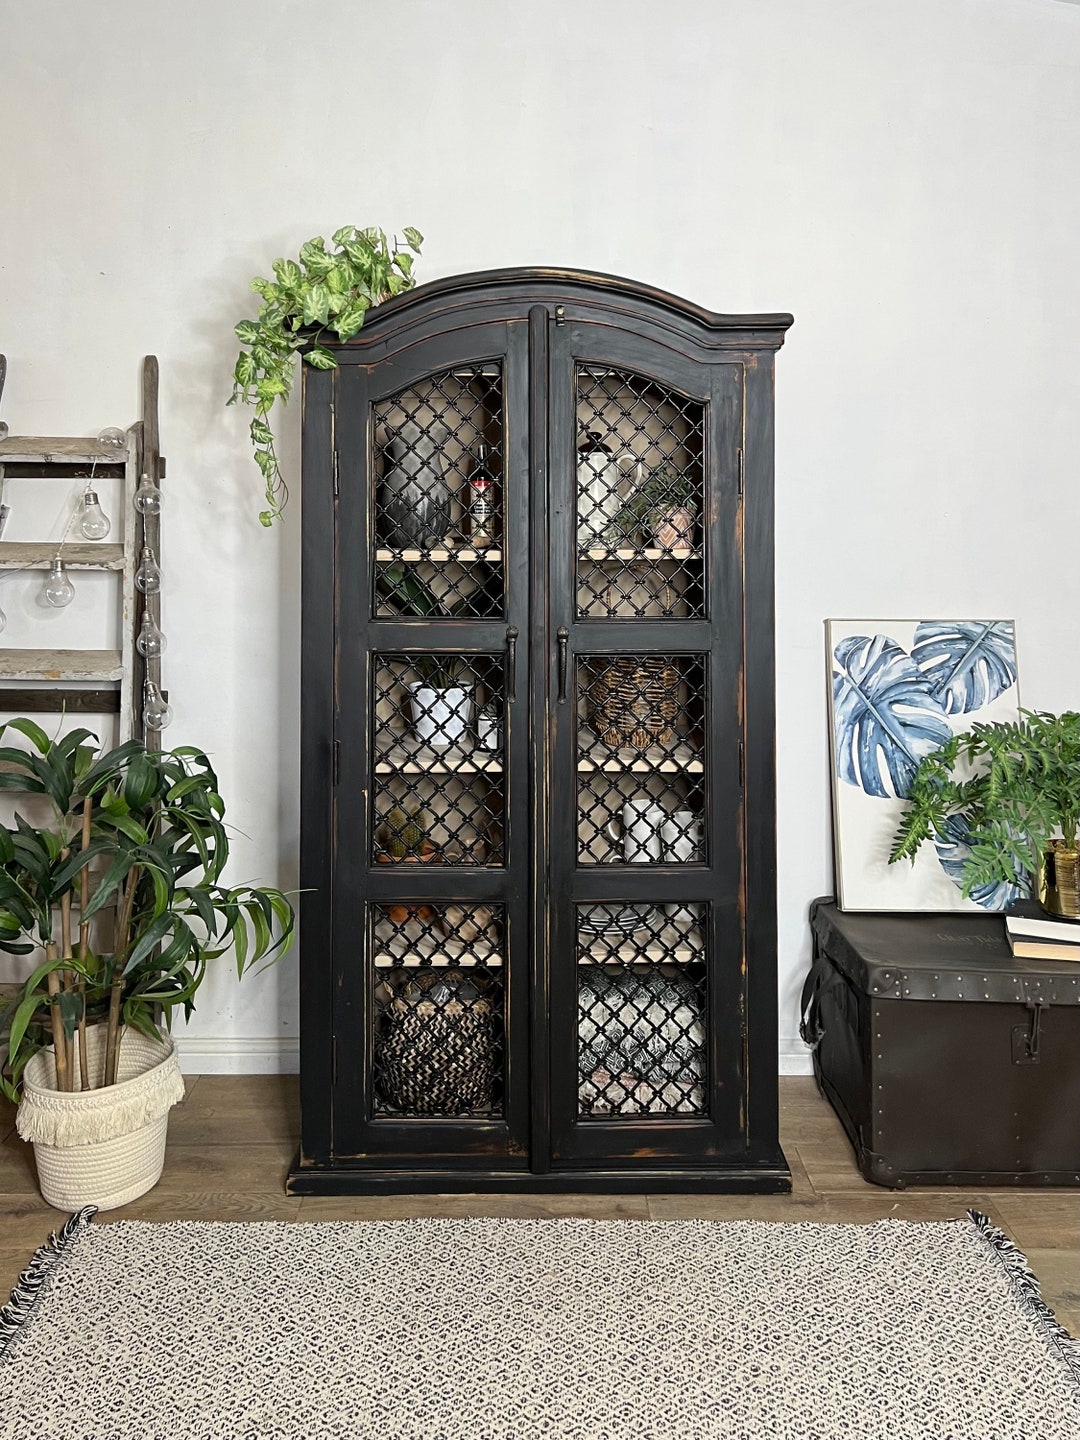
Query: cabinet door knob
(511,664)
(563,636)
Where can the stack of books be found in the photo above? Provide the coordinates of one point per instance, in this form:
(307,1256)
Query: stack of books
(1033,935)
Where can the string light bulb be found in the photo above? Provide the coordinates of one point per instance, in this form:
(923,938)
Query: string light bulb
(93,522)
(58,590)
(157,712)
(148,576)
(148,497)
(150,641)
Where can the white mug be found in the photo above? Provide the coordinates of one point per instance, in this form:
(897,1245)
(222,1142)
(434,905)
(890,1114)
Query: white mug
(681,834)
(640,835)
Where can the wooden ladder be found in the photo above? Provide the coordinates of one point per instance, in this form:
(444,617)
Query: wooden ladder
(81,681)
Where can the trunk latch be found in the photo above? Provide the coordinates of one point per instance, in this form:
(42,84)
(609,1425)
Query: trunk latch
(1025,1038)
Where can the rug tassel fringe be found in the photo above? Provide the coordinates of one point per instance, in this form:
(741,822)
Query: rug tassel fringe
(29,1286)
(1026,1286)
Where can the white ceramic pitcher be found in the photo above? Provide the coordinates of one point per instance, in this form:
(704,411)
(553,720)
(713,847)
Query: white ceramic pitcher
(639,831)
(681,836)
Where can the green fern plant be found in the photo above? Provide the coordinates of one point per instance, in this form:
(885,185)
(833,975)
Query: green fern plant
(1023,794)
(663,490)
(322,290)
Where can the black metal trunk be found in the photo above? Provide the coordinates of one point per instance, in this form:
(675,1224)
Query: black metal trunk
(948,1061)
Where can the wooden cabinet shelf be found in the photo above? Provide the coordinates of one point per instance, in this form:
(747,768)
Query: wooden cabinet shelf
(402,752)
(410,951)
(405,753)
(650,555)
(441,555)
(675,758)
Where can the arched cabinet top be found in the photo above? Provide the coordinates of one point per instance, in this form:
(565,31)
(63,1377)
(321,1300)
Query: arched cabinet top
(502,294)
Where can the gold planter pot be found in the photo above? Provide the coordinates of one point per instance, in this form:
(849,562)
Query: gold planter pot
(1059,880)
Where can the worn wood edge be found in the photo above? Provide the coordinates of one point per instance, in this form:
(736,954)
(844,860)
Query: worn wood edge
(30,449)
(40,554)
(20,664)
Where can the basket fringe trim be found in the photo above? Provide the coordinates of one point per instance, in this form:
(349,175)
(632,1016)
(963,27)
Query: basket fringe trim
(1026,1289)
(85,1117)
(32,1283)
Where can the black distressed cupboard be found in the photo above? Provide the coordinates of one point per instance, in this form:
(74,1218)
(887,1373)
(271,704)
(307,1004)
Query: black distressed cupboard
(538,934)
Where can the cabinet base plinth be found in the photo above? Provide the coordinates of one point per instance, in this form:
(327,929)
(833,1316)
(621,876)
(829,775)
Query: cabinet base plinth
(340,1178)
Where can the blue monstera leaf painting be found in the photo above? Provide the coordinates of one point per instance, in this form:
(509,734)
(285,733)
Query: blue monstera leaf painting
(886,718)
(892,706)
(968,663)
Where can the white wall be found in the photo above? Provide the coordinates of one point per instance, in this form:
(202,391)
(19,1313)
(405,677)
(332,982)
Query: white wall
(902,175)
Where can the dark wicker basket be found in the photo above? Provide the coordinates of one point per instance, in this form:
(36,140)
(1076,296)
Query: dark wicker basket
(633,700)
(437,1058)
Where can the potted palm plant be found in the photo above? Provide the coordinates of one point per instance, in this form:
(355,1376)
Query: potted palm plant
(122,894)
(1005,799)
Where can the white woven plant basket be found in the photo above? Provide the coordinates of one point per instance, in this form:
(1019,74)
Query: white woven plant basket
(104,1146)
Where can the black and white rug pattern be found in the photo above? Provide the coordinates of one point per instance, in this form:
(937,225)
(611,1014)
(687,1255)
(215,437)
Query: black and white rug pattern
(491,1329)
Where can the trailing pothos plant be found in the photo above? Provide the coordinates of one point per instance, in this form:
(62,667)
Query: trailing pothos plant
(1003,792)
(122,891)
(325,289)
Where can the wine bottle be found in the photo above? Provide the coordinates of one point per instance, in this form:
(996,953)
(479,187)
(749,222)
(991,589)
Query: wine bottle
(482,500)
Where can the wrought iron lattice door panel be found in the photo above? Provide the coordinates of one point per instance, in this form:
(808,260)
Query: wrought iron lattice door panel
(438,1009)
(431,926)
(642,1009)
(640,497)
(641,759)
(438,792)
(538,929)
(647,721)
(437,461)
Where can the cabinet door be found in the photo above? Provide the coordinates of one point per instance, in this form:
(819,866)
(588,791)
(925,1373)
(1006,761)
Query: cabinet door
(431,824)
(646,937)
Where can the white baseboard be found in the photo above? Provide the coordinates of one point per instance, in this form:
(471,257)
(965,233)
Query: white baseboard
(280,1055)
(264,1055)
(794,1058)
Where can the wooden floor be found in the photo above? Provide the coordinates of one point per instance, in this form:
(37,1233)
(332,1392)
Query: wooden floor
(232,1140)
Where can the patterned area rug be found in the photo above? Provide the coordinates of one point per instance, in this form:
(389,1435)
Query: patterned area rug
(515,1329)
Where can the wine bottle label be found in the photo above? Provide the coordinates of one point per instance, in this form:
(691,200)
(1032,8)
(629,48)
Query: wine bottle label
(481,510)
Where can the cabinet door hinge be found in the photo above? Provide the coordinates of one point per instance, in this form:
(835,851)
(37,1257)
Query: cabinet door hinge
(560,314)
(333,1059)
(336,475)
(337,760)
(740,455)
(742,766)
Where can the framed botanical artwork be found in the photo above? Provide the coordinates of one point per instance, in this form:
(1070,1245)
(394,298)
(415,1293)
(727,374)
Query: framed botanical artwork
(898,689)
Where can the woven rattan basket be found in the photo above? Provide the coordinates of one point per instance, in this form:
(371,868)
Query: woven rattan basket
(104,1146)
(437,1058)
(633,700)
